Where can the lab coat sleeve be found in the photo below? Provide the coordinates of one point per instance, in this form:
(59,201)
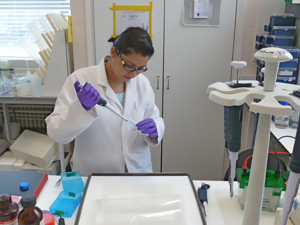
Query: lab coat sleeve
(69,118)
(152,111)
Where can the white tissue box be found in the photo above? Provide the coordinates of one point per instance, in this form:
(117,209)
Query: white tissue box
(35,148)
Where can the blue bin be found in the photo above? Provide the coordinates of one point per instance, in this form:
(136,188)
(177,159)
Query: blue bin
(282,20)
(288,80)
(289,64)
(279,40)
(283,30)
(287,72)
(258,45)
(292,49)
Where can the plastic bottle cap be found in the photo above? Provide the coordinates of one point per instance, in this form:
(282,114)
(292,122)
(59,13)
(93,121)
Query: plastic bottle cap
(28,201)
(5,200)
(49,218)
(24,186)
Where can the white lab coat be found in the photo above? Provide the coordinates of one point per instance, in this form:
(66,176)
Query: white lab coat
(103,141)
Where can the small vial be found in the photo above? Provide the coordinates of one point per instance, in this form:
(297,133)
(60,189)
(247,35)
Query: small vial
(30,214)
(281,122)
(8,210)
(294,118)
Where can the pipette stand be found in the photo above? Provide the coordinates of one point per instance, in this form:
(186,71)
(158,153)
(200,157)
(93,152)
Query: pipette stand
(269,94)
(59,66)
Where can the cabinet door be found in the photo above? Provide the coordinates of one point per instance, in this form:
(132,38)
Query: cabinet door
(194,58)
(103,24)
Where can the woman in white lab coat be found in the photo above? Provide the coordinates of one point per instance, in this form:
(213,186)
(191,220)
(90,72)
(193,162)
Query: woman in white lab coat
(104,143)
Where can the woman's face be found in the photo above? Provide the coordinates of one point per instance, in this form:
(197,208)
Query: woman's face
(133,61)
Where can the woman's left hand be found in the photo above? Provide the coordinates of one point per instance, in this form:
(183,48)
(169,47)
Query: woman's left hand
(148,126)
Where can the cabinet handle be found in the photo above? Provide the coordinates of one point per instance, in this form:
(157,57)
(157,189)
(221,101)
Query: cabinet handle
(168,86)
(157,85)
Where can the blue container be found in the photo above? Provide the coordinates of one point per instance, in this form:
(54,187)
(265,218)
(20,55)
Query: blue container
(283,30)
(282,20)
(72,182)
(290,64)
(292,49)
(281,40)
(65,205)
(258,45)
(288,80)
(259,38)
(287,72)
(267,28)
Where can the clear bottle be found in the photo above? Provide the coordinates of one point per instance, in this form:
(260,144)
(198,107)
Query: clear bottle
(8,210)
(294,118)
(30,214)
(282,121)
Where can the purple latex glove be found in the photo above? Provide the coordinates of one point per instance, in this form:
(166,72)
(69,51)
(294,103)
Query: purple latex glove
(148,126)
(88,96)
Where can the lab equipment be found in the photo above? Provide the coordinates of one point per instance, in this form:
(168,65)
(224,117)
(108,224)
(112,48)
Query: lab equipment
(202,193)
(35,148)
(233,116)
(148,126)
(9,210)
(233,129)
(5,70)
(163,198)
(238,65)
(282,121)
(294,118)
(294,179)
(88,95)
(224,95)
(274,185)
(104,103)
(295,214)
(68,199)
(30,214)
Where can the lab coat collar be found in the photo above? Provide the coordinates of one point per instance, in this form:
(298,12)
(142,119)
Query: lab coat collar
(131,90)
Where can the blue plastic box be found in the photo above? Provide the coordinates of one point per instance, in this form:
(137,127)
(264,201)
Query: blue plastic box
(292,49)
(259,38)
(258,45)
(65,205)
(287,72)
(283,30)
(267,28)
(72,182)
(282,20)
(278,40)
(289,80)
(290,64)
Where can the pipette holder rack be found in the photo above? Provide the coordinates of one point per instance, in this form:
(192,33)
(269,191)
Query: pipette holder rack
(59,65)
(269,94)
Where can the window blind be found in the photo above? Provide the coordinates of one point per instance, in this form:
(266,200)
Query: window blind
(16,14)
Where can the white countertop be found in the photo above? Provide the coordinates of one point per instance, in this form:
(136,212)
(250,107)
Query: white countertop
(221,210)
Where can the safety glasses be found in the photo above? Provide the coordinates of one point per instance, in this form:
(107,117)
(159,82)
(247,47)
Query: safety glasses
(130,68)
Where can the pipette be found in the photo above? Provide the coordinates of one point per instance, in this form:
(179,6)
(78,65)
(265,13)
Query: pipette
(104,103)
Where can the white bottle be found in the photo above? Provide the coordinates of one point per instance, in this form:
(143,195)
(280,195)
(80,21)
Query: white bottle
(5,70)
(36,85)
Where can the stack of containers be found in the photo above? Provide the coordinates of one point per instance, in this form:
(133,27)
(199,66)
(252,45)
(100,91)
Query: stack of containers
(280,33)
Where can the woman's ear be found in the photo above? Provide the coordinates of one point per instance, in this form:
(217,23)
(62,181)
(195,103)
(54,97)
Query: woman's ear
(113,52)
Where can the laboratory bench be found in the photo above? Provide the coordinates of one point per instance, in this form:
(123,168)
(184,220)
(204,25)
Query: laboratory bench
(221,209)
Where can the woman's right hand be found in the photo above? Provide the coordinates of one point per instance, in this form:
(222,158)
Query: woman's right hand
(88,96)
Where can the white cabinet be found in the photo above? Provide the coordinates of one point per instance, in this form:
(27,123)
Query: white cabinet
(185,62)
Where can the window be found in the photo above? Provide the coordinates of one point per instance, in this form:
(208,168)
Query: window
(16,14)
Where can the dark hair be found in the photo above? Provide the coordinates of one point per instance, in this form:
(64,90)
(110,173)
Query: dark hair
(133,39)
